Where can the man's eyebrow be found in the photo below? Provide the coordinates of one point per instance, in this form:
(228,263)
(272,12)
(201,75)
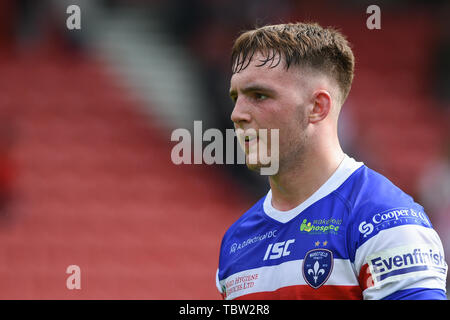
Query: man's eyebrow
(252,88)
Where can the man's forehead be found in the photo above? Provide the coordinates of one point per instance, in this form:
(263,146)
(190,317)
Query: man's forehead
(261,73)
(260,60)
(268,57)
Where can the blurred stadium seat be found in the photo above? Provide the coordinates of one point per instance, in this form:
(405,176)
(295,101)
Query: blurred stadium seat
(96,188)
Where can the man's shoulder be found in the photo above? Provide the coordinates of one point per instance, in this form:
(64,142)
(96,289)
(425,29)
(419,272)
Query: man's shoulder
(391,240)
(368,190)
(376,203)
(246,217)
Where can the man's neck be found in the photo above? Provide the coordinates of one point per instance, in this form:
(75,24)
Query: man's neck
(293,186)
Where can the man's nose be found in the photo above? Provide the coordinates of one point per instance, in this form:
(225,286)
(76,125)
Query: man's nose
(240,112)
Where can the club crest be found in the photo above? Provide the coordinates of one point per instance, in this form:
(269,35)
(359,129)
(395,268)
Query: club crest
(317,267)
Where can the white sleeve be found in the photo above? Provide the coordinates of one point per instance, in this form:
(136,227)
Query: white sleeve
(400,258)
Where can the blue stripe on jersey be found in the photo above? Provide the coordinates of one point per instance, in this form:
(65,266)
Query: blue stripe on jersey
(408,270)
(417,294)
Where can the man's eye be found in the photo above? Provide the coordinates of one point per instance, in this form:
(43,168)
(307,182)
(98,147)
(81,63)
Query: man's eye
(259,96)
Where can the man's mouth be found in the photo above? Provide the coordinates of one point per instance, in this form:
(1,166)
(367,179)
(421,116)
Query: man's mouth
(250,143)
(247,137)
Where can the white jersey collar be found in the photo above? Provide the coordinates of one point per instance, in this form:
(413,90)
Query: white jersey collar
(345,169)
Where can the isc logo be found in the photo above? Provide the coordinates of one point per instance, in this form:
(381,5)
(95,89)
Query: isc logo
(278,250)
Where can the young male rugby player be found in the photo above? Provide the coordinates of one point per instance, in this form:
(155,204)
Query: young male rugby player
(330,227)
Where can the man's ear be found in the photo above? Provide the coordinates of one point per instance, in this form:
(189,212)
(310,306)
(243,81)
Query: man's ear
(321,106)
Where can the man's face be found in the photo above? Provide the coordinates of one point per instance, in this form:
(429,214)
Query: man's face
(271,98)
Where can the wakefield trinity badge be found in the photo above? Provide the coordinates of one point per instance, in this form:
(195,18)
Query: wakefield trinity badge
(317,267)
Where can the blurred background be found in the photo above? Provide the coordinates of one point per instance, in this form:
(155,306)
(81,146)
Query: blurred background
(86,117)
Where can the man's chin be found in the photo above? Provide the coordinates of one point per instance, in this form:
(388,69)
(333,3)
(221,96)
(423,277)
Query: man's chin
(266,169)
(252,162)
(254,167)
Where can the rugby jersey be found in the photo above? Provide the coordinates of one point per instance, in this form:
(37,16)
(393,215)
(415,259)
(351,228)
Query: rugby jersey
(357,237)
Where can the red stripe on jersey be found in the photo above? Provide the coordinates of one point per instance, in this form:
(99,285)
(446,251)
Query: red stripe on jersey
(305,292)
(365,277)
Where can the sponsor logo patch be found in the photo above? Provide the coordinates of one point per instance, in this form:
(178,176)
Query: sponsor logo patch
(236,246)
(392,218)
(237,283)
(321,226)
(402,262)
(278,250)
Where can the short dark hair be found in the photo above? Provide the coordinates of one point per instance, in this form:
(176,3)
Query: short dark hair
(302,44)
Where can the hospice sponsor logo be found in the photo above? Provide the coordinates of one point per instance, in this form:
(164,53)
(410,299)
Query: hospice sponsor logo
(238,246)
(402,262)
(321,226)
(393,217)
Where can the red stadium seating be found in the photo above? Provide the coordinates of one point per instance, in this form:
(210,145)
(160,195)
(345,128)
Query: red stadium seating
(96,188)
